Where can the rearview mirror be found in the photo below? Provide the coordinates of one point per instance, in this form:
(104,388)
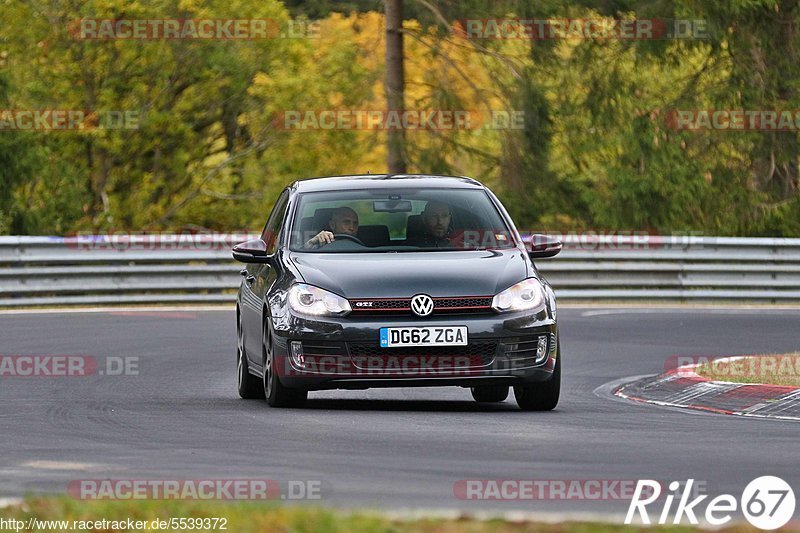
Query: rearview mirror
(391,206)
(254,251)
(544,246)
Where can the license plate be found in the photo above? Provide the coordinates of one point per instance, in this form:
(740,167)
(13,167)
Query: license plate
(424,336)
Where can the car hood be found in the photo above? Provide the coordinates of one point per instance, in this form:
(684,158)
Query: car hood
(396,275)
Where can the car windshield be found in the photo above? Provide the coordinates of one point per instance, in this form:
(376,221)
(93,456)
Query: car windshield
(402,220)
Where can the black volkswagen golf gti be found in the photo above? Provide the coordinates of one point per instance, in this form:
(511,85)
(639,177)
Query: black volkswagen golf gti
(395,281)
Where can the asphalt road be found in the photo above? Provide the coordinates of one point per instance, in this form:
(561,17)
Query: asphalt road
(180,417)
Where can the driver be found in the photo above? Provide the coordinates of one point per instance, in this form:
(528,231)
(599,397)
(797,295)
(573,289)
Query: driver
(343,221)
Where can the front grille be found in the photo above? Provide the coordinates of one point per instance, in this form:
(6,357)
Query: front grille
(474,355)
(449,303)
(454,305)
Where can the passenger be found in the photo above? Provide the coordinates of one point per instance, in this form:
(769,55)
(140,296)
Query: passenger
(436,225)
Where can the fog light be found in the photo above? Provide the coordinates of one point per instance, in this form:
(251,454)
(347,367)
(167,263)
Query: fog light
(296,349)
(541,349)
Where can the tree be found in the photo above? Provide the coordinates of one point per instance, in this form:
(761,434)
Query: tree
(395,84)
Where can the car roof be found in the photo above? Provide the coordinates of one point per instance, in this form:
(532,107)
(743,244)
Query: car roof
(385,181)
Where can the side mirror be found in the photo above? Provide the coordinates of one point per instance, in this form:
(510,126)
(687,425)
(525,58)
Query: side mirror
(254,251)
(544,246)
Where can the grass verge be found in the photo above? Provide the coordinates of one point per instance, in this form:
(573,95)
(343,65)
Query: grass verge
(254,517)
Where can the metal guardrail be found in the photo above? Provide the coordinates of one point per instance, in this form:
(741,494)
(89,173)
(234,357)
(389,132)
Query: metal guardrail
(199,269)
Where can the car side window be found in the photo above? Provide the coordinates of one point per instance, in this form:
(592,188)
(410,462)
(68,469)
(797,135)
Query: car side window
(272,230)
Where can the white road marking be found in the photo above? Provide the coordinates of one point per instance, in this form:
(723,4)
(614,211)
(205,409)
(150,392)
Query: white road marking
(688,309)
(58,465)
(164,309)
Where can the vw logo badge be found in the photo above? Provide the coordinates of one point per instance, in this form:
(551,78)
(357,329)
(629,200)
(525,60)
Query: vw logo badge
(422,305)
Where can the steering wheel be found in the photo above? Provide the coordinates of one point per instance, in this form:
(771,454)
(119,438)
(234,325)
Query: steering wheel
(353,238)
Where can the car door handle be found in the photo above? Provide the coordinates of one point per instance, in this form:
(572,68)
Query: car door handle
(250,279)
(243,272)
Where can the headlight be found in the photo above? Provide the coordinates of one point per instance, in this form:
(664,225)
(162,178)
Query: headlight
(310,300)
(527,294)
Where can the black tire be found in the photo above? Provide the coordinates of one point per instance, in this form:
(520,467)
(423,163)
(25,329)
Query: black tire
(490,393)
(541,396)
(249,386)
(274,391)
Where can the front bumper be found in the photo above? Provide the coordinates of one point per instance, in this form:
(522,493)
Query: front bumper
(329,353)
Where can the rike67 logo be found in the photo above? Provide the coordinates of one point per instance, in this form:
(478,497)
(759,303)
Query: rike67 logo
(767,502)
